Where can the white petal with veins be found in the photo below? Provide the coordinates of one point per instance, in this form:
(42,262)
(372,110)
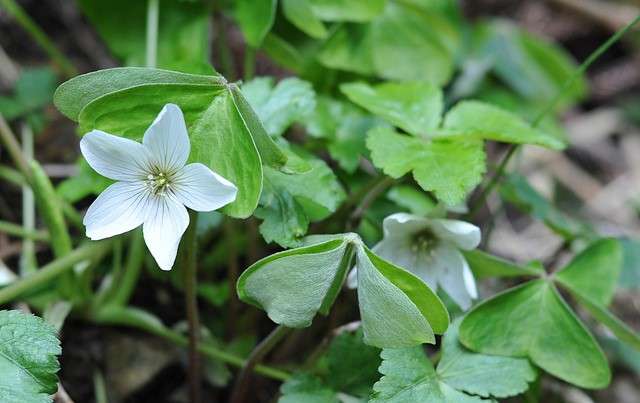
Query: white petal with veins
(114,157)
(201,189)
(163,227)
(167,139)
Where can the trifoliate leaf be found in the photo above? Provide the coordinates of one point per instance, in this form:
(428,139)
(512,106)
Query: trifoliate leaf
(485,265)
(349,48)
(448,168)
(480,374)
(408,376)
(397,309)
(255,18)
(415,107)
(225,132)
(594,272)
(533,321)
(291,100)
(352,365)
(475,119)
(300,14)
(306,388)
(292,286)
(284,219)
(28,362)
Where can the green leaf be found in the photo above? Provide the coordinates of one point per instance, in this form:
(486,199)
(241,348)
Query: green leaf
(397,309)
(424,42)
(291,100)
(255,18)
(300,14)
(84,183)
(409,377)
(414,200)
(347,10)
(290,201)
(345,127)
(28,362)
(630,275)
(305,388)
(225,132)
(415,107)
(292,286)
(33,90)
(485,265)
(480,374)
(352,366)
(450,169)
(594,272)
(484,121)
(183,32)
(349,48)
(533,321)
(517,190)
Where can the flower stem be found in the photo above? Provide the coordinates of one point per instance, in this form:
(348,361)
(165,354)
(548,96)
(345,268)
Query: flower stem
(153,12)
(8,138)
(28,260)
(482,198)
(190,292)
(19,231)
(39,36)
(92,250)
(258,353)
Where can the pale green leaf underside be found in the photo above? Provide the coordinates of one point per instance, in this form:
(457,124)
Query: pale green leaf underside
(28,362)
(450,169)
(533,321)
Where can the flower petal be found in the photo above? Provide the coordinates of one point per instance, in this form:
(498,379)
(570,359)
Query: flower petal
(120,208)
(199,188)
(166,221)
(114,157)
(461,233)
(403,224)
(454,276)
(167,139)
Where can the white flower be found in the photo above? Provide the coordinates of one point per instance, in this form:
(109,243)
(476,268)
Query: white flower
(154,185)
(429,248)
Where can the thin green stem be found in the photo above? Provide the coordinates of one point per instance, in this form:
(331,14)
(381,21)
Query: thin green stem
(28,260)
(53,270)
(12,229)
(249,63)
(486,192)
(41,38)
(10,142)
(258,353)
(125,283)
(190,273)
(153,13)
(372,194)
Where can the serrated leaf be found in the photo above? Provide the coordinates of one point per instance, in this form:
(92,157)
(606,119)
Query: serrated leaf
(349,48)
(533,321)
(308,389)
(292,286)
(284,219)
(450,169)
(594,272)
(183,32)
(255,18)
(480,374)
(300,14)
(481,120)
(225,133)
(347,10)
(485,265)
(28,362)
(291,100)
(413,106)
(409,377)
(397,309)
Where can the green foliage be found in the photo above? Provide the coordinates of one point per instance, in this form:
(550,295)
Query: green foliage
(300,14)
(347,10)
(28,362)
(450,169)
(33,91)
(182,32)
(485,265)
(397,308)
(255,18)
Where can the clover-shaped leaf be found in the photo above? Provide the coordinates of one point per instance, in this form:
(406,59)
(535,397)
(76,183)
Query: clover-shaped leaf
(225,132)
(28,362)
(397,308)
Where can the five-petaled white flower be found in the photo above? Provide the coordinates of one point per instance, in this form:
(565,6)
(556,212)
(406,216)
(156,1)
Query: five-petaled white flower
(153,185)
(429,248)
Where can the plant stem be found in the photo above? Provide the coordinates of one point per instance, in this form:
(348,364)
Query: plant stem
(28,261)
(372,194)
(191,301)
(249,62)
(13,147)
(258,353)
(41,38)
(56,268)
(153,11)
(547,109)
(19,231)
(126,282)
